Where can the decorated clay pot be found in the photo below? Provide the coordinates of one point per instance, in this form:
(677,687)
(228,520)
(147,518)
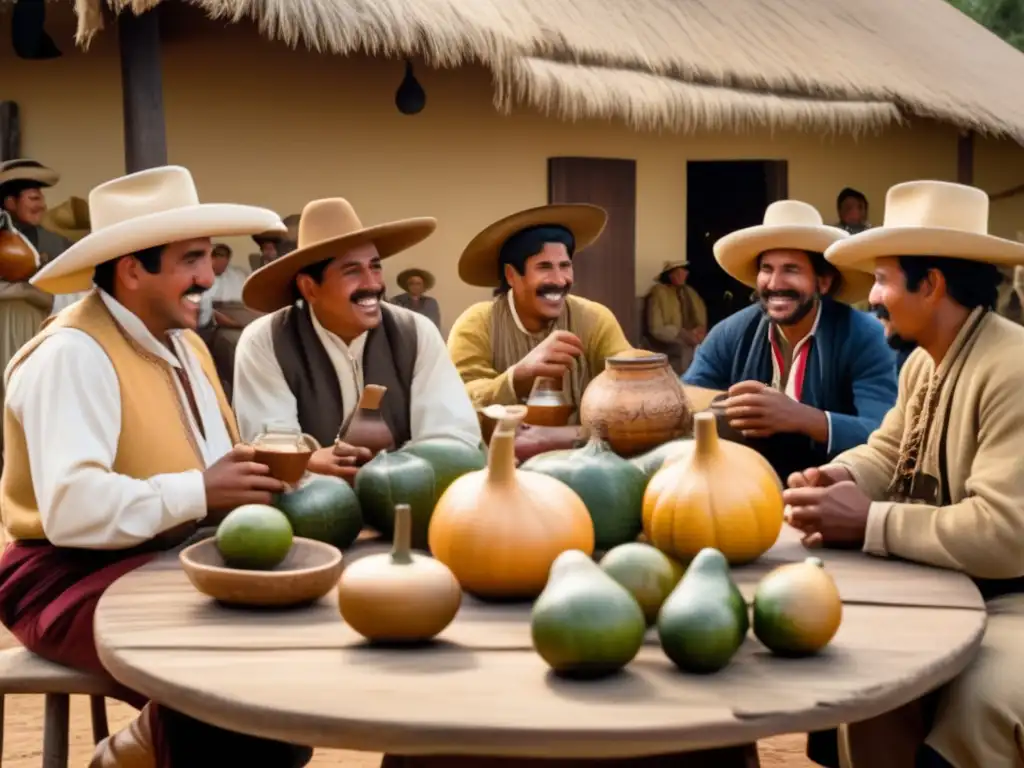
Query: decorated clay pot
(637,403)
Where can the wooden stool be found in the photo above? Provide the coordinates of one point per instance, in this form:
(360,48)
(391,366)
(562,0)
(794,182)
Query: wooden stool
(21,671)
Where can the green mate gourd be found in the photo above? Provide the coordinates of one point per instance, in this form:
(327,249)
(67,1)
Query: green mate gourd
(325,509)
(647,573)
(585,624)
(704,621)
(611,487)
(389,479)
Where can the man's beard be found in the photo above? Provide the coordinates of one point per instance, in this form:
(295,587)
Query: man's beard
(803,309)
(894,340)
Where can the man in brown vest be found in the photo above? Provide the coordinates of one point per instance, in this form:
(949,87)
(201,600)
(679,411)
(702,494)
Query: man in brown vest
(329,333)
(118,441)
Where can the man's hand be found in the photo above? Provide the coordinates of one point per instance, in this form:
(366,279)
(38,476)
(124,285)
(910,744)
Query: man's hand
(819,477)
(236,479)
(532,440)
(339,460)
(551,358)
(756,410)
(833,515)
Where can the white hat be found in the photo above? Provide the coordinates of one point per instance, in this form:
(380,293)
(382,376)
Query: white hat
(929,218)
(142,210)
(23,169)
(788,224)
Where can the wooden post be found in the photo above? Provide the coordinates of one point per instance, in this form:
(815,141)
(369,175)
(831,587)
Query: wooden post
(10,131)
(145,137)
(965,157)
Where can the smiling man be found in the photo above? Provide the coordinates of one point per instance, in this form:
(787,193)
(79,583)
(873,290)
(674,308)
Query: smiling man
(533,326)
(120,442)
(807,376)
(329,333)
(940,481)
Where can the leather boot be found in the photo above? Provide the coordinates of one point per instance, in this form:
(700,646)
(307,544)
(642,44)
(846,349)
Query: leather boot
(131,747)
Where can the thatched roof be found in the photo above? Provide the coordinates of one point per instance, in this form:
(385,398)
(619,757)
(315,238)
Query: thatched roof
(679,65)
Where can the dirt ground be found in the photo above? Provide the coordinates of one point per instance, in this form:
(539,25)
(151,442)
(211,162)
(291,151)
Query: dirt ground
(23,736)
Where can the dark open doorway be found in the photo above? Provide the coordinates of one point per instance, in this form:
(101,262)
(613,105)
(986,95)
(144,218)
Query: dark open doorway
(721,197)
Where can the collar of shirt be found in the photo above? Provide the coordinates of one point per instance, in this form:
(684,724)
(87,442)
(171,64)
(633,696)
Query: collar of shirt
(515,315)
(353,352)
(137,330)
(795,382)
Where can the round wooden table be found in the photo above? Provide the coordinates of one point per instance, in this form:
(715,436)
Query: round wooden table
(303,676)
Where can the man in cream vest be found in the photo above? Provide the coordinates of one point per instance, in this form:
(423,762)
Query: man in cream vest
(118,441)
(328,333)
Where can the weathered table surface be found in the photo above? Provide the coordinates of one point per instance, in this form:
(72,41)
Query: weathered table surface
(303,676)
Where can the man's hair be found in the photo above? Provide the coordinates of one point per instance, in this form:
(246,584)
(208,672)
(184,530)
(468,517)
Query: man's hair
(850,192)
(822,268)
(16,187)
(970,284)
(315,270)
(103,274)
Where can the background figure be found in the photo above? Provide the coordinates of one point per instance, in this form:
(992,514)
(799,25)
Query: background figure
(675,317)
(415,283)
(852,207)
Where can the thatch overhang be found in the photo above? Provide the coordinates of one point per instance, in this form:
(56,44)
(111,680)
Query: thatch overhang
(676,65)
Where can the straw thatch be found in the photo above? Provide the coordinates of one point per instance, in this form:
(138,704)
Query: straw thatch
(822,65)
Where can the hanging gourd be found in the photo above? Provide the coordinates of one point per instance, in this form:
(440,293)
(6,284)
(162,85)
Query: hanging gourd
(499,529)
(399,596)
(610,486)
(722,495)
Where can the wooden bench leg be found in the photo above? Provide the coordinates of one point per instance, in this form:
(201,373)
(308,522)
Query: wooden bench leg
(98,710)
(55,731)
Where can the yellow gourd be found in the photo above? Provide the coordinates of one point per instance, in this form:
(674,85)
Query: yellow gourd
(721,495)
(401,596)
(499,529)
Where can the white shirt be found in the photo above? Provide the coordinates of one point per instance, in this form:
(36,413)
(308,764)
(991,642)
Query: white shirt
(439,407)
(790,389)
(60,301)
(226,287)
(67,399)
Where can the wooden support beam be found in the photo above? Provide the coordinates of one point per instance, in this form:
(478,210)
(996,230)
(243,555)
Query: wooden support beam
(965,157)
(145,137)
(10,131)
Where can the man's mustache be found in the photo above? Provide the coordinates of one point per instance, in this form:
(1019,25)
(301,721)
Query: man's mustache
(358,296)
(195,290)
(552,288)
(880,311)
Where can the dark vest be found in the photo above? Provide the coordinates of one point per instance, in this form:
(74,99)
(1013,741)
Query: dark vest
(389,359)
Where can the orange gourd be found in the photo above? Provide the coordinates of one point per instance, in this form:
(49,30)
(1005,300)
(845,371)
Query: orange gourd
(719,494)
(499,529)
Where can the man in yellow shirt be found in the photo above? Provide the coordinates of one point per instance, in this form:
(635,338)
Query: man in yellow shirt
(533,327)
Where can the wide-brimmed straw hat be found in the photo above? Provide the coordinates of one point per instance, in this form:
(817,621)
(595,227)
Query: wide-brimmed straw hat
(23,169)
(789,225)
(929,218)
(478,264)
(143,210)
(327,228)
(424,275)
(69,219)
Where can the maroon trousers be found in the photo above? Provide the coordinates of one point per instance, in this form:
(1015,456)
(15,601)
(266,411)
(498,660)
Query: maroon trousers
(48,598)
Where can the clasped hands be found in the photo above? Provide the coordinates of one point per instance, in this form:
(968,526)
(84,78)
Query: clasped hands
(827,507)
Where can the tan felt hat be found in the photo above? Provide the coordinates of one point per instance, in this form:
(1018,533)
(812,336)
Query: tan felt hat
(478,264)
(327,228)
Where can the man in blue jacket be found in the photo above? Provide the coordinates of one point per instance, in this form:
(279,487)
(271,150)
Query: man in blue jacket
(807,376)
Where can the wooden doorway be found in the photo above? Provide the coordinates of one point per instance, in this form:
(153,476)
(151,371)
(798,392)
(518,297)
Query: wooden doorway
(606,272)
(721,197)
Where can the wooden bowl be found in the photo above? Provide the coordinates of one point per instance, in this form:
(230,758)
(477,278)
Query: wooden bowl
(309,572)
